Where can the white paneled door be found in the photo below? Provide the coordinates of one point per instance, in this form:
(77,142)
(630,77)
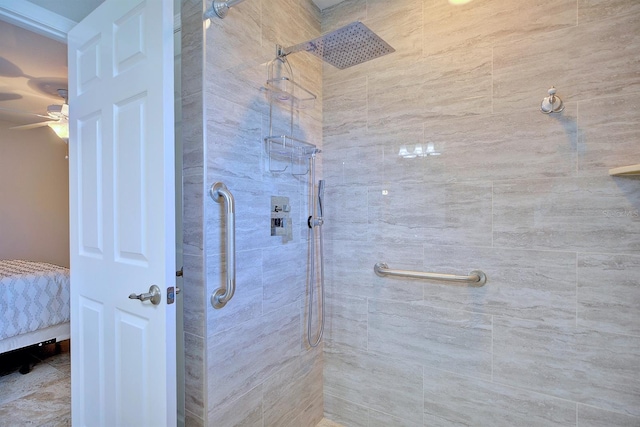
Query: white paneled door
(122,192)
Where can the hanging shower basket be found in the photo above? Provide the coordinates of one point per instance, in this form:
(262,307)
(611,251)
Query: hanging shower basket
(286,152)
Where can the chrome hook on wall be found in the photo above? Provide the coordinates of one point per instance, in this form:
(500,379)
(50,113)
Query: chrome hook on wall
(552,103)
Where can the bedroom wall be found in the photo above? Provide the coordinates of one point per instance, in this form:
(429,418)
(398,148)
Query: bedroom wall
(34,196)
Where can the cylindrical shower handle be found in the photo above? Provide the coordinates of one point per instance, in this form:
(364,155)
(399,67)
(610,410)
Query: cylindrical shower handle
(219,192)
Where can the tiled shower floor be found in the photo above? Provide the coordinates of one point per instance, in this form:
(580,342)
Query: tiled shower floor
(42,398)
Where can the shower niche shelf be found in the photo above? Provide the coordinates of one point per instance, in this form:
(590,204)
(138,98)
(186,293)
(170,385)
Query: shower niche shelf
(286,153)
(625,170)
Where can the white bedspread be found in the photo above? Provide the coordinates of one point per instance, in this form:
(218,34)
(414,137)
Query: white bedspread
(33,295)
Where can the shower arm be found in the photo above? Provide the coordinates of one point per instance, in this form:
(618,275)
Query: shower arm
(281,51)
(220,8)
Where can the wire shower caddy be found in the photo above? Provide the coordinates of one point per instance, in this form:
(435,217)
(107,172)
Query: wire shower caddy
(285,151)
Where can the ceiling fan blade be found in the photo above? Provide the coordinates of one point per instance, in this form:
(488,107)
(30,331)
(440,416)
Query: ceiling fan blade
(11,110)
(33,125)
(65,110)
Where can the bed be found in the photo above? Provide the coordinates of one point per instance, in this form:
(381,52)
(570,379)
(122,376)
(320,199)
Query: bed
(34,304)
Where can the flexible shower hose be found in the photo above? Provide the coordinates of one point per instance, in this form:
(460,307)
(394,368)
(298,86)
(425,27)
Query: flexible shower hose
(312,283)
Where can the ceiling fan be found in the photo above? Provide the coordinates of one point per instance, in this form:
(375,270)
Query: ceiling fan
(58,115)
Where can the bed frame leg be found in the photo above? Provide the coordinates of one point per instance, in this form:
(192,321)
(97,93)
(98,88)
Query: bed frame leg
(26,367)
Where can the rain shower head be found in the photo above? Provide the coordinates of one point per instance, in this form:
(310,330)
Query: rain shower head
(344,47)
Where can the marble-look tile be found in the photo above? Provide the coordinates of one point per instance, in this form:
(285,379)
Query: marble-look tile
(594,368)
(395,95)
(527,284)
(328,423)
(434,337)
(609,133)
(314,13)
(350,271)
(284,276)
(343,13)
(451,399)
(261,346)
(397,169)
(235,41)
(609,293)
(191,420)
(194,374)
(583,214)
(608,66)
(589,416)
(475,24)
(345,212)
(387,385)
(346,323)
(352,159)
(246,303)
(192,134)
(289,392)
(447,214)
(192,214)
(53,406)
(283,23)
(379,419)
(246,411)
(311,415)
(193,294)
(344,413)
(595,10)
(401,27)
(16,385)
(517,145)
(62,361)
(243,85)
(192,47)
(345,109)
(233,140)
(457,83)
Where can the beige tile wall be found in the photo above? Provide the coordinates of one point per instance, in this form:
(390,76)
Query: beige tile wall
(553,339)
(246,364)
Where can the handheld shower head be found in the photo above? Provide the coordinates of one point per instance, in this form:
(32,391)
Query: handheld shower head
(320,196)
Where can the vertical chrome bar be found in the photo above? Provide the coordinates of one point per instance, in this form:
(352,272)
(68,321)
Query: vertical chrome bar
(219,192)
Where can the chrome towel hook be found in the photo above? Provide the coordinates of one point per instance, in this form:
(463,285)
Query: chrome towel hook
(552,103)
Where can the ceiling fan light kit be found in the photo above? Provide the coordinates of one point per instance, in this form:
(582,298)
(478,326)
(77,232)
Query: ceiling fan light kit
(61,129)
(58,115)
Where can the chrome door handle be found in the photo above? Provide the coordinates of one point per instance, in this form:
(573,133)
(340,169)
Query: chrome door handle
(154,295)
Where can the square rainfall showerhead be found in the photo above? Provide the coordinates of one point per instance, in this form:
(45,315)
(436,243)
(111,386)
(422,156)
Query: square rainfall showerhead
(345,47)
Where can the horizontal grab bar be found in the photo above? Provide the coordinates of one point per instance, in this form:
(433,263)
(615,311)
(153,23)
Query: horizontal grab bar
(476,278)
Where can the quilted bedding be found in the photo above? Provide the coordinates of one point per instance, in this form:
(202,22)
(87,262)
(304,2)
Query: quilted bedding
(33,295)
